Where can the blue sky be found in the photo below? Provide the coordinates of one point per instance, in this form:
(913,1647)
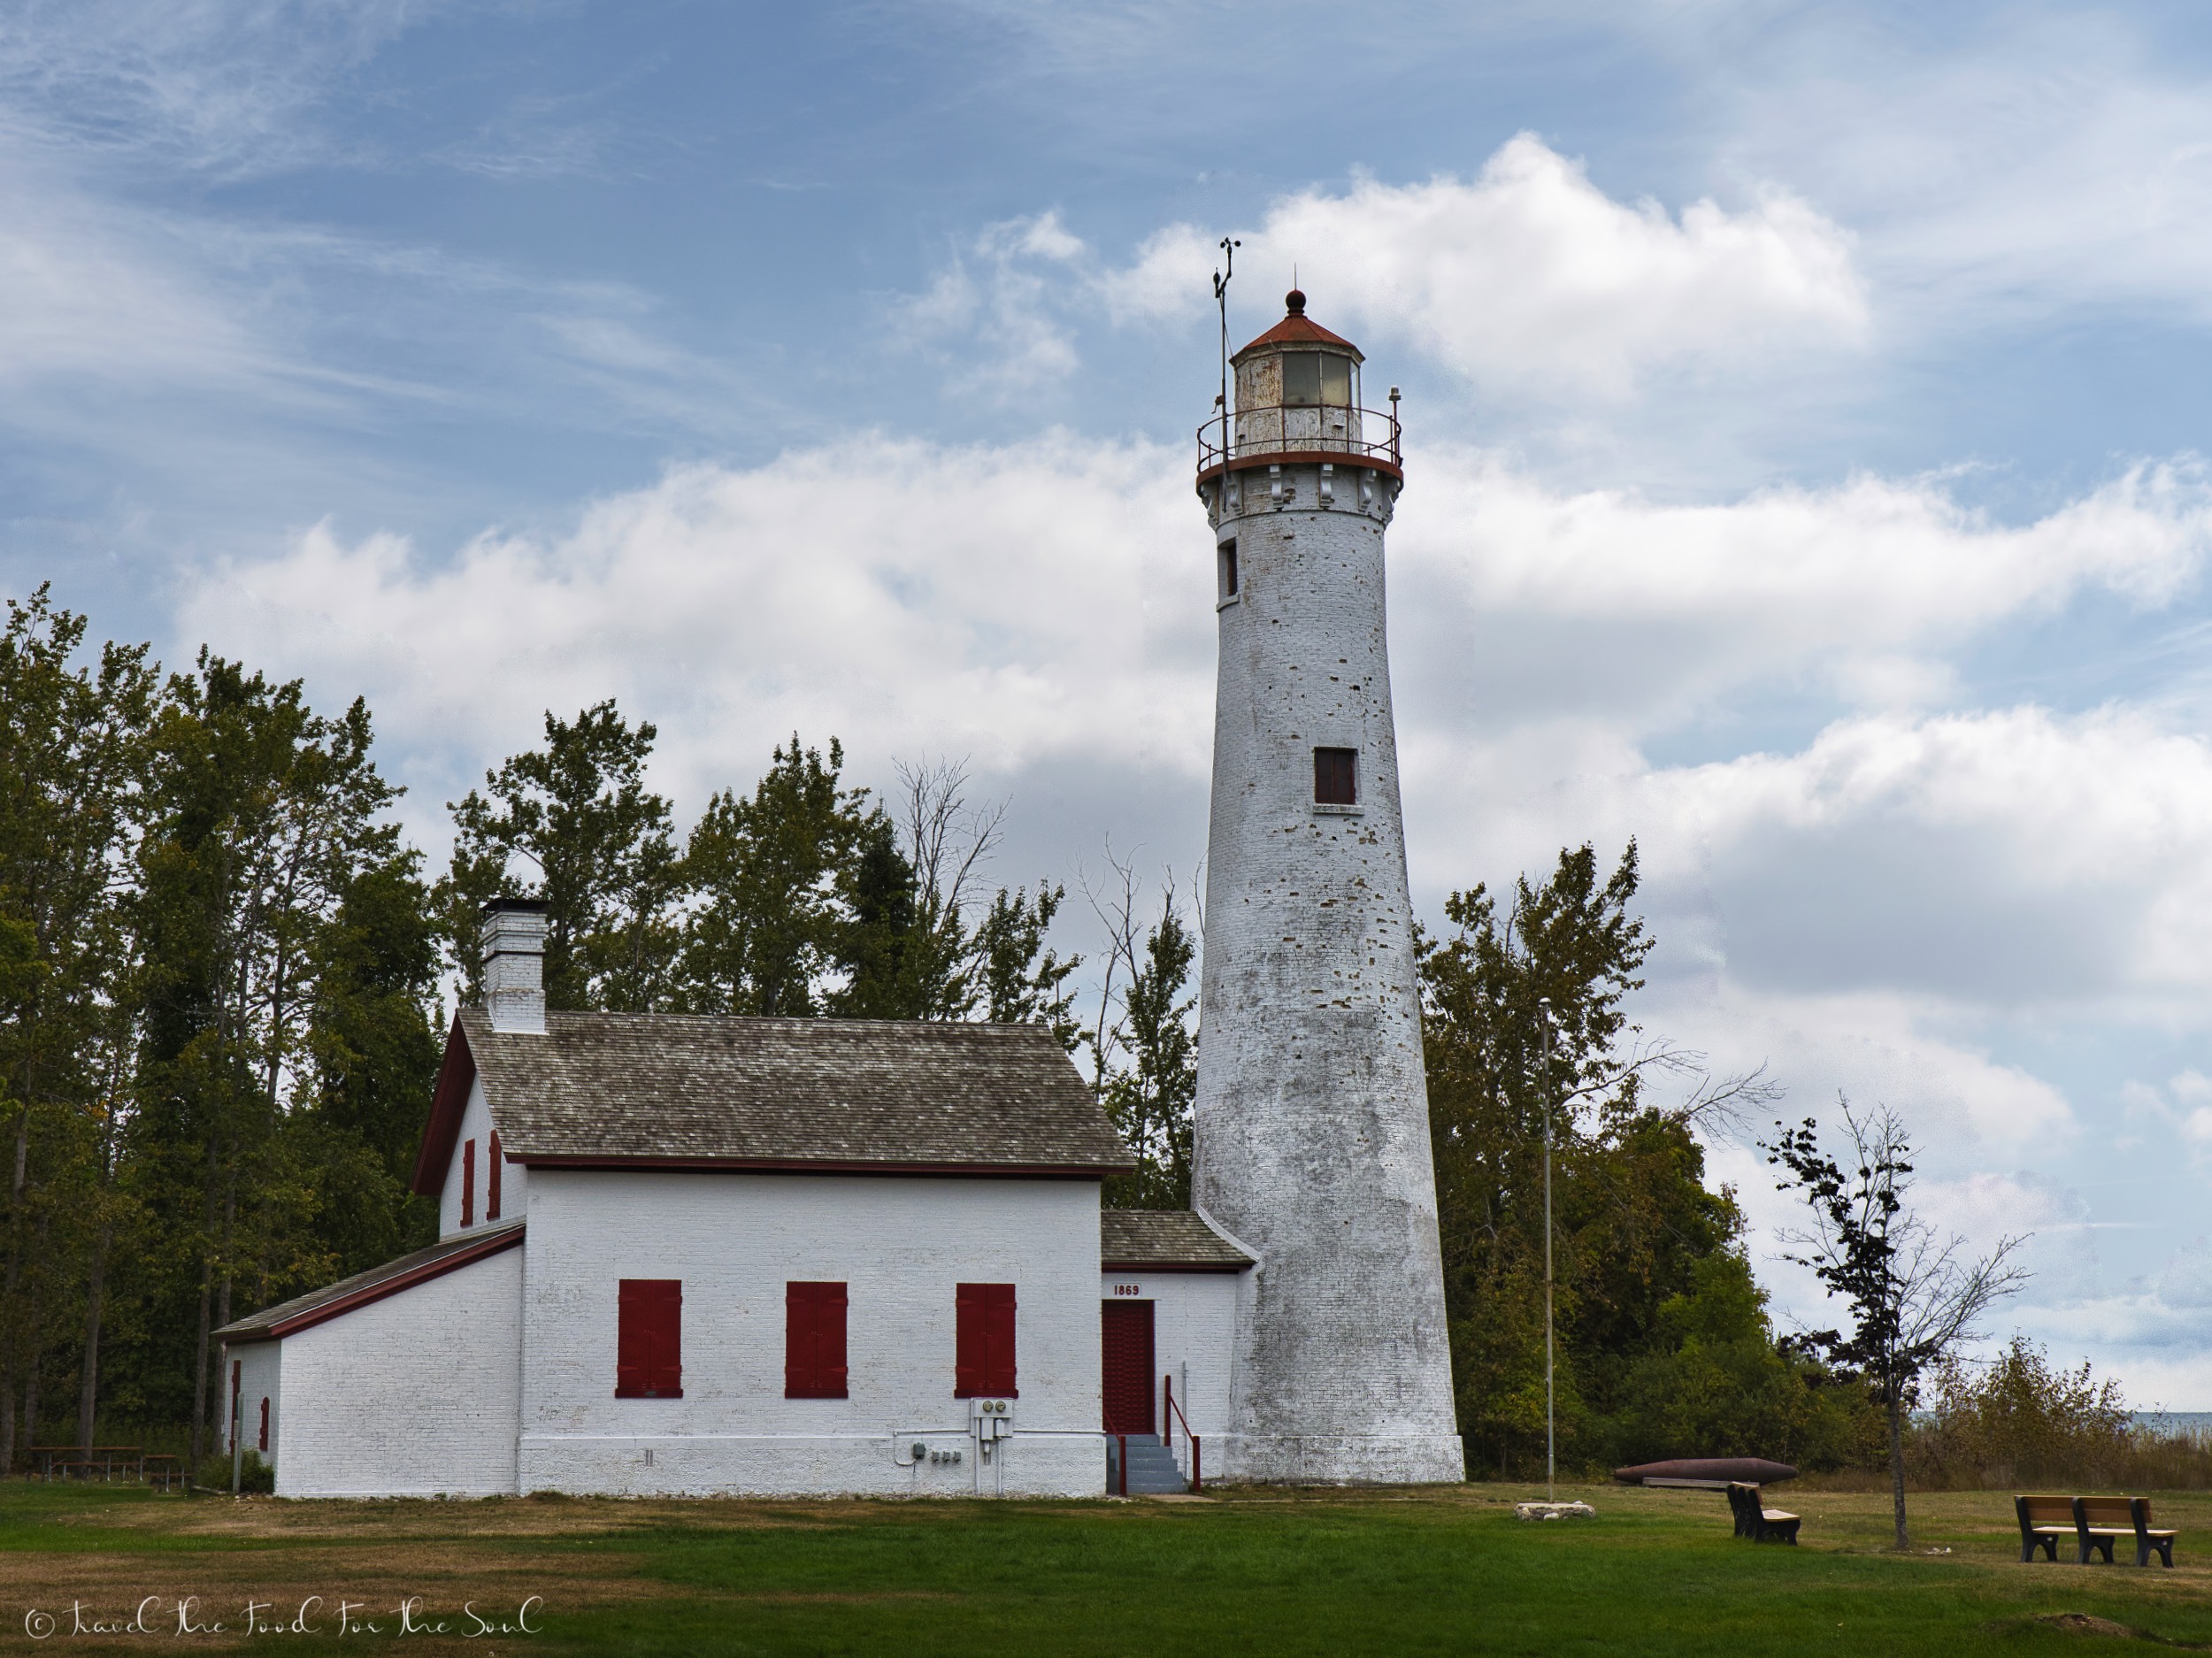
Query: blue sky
(1805,413)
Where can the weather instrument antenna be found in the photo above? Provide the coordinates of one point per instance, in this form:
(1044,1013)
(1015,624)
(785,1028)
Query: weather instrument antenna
(1229,246)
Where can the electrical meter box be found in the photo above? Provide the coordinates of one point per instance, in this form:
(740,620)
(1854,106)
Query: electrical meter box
(994,1418)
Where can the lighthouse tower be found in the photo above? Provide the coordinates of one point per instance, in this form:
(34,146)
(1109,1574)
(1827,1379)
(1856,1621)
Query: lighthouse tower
(1312,1111)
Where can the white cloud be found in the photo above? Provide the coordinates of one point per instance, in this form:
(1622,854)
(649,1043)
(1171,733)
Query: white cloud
(1516,592)
(1017,606)
(995,306)
(1529,278)
(1047,604)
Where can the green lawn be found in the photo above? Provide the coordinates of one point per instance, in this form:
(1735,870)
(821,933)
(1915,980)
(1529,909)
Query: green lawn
(1272,1573)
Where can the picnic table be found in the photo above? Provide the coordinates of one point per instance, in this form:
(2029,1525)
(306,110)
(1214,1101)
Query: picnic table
(70,1461)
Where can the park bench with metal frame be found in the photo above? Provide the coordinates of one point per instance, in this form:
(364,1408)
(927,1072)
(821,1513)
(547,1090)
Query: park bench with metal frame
(1757,1522)
(2099,1521)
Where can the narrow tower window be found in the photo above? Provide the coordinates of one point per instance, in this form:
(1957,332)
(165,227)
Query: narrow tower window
(1336,777)
(1228,569)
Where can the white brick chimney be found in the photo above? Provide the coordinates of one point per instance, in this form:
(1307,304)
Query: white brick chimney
(513,956)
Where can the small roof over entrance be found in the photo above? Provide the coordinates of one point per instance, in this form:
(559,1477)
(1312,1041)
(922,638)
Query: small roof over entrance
(1164,1240)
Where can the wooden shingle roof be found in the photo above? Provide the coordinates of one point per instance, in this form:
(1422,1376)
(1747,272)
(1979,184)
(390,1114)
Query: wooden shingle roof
(626,1090)
(1163,1241)
(419,1265)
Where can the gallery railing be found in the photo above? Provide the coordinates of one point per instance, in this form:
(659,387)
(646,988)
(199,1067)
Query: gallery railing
(1284,429)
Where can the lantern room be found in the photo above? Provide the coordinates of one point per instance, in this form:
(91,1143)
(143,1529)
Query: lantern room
(1297,398)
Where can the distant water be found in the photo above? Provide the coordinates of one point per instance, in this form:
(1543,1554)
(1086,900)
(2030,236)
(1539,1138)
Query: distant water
(2173,1421)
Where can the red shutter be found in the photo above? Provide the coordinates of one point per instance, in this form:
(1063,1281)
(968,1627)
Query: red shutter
(998,1330)
(468,1184)
(237,1369)
(265,1424)
(491,1177)
(967,1356)
(813,1340)
(649,1339)
(983,1358)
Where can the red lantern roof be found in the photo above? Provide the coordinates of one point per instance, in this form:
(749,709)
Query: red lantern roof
(1297,328)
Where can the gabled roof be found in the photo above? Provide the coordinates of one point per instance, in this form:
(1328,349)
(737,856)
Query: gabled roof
(652,1090)
(301,1311)
(1163,1241)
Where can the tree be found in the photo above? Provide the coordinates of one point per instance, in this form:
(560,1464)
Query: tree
(376,1055)
(1633,1216)
(264,814)
(1023,982)
(74,747)
(1914,1294)
(908,951)
(2018,1417)
(1144,1052)
(579,812)
(764,871)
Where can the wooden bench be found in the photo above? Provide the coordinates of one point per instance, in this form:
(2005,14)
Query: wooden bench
(2094,1523)
(1760,1523)
(2098,1521)
(164,1470)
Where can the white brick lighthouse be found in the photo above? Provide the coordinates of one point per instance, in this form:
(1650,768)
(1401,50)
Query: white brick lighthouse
(1312,1111)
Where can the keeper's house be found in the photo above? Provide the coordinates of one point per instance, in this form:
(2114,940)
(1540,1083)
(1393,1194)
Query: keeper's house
(682,1254)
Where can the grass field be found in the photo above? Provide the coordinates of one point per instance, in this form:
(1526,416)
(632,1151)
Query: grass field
(1272,1573)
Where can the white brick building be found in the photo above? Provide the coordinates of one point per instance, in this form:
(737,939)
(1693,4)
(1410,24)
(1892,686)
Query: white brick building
(684,1255)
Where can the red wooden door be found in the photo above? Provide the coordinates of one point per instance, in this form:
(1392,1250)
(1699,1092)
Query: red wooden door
(1128,1380)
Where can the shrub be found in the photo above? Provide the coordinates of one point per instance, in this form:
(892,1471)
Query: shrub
(256,1477)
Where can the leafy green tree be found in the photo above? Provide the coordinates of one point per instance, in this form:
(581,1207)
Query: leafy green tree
(264,815)
(73,756)
(376,1054)
(578,813)
(875,947)
(1144,1051)
(1149,1097)
(1022,982)
(1718,1384)
(2019,1418)
(764,872)
(1633,1216)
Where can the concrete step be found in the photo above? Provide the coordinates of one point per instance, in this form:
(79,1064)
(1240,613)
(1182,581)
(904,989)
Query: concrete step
(1152,1470)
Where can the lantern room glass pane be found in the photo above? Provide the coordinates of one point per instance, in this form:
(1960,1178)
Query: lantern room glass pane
(1301,379)
(1336,381)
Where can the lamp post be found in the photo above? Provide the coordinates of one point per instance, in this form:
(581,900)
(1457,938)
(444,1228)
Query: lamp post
(1551,1439)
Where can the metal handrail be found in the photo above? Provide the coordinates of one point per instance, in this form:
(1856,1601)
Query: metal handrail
(1221,441)
(1172,1415)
